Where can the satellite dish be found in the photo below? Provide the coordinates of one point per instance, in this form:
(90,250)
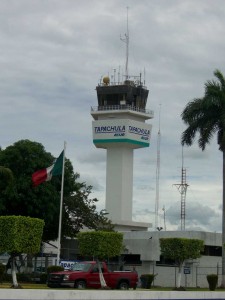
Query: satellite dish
(106,80)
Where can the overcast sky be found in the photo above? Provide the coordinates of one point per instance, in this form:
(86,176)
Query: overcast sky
(53,54)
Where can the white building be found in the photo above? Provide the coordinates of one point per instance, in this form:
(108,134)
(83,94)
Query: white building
(146,244)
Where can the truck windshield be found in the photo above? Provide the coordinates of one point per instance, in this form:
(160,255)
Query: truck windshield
(81,267)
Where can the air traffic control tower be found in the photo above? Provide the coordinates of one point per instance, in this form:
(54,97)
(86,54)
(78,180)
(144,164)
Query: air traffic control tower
(119,127)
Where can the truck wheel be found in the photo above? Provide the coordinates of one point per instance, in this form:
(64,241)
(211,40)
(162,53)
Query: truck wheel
(80,284)
(123,285)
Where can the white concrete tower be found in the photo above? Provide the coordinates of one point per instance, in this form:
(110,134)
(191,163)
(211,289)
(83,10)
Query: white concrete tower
(119,127)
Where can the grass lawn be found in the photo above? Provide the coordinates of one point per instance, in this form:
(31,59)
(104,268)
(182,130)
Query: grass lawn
(7,285)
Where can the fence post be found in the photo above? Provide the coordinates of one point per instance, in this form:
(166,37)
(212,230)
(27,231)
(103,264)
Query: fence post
(175,276)
(196,276)
(153,284)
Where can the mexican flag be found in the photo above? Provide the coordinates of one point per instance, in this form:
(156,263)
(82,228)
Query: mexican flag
(47,173)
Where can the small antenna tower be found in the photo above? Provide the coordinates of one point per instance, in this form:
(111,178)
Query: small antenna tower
(182,188)
(157,174)
(126,41)
(164,216)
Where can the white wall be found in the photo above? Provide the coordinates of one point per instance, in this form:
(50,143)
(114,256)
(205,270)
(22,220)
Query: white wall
(147,245)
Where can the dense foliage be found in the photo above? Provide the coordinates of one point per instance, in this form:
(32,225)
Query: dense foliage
(180,249)
(100,244)
(21,198)
(20,234)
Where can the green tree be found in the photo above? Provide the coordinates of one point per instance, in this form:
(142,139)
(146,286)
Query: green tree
(6,178)
(100,244)
(180,249)
(18,235)
(206,116)
(24,158)
(6,173)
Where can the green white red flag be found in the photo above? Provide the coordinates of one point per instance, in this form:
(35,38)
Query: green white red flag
(46,174)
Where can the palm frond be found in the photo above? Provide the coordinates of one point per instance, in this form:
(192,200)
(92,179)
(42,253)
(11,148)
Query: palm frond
(188,135)
(206,133)
(212,90)
(220,77)
(220,139)
(192,111)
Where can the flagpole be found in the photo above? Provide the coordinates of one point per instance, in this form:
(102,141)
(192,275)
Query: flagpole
(60,210)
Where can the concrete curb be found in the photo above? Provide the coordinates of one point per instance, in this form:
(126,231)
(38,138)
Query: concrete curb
(33,294)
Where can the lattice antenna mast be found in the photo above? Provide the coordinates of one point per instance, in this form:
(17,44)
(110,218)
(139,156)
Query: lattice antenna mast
(158,173)
(182,188)
(126,41)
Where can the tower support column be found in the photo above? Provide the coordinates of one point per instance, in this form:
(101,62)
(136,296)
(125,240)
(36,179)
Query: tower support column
(119,183)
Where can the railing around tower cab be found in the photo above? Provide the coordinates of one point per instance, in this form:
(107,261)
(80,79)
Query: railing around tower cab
(122,107)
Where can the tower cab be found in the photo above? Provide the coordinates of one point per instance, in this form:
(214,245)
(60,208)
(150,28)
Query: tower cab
(128,94)
(120,99)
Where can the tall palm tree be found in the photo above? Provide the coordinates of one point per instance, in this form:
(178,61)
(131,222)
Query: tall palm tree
(206,116)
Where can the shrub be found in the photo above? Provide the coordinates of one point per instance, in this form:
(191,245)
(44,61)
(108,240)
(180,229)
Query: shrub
(7,277)
(146,280)
(212,281)
(43,278)
(24,277)
(2,271)
(52,269)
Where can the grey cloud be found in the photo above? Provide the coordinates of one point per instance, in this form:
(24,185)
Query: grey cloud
(93,181)
(95,157)
(197,216)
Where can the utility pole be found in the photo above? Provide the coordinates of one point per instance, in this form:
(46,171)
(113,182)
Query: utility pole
(157,174)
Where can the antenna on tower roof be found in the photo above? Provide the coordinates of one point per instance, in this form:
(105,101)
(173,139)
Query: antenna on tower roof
(144,76)
(126,41)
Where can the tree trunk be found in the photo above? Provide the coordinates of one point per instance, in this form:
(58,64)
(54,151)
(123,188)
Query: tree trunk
(101,276)
(14,277)
(223,226)
(179,275)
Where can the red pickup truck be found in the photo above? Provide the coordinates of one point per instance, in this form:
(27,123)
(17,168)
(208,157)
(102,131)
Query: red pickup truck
(86,275)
